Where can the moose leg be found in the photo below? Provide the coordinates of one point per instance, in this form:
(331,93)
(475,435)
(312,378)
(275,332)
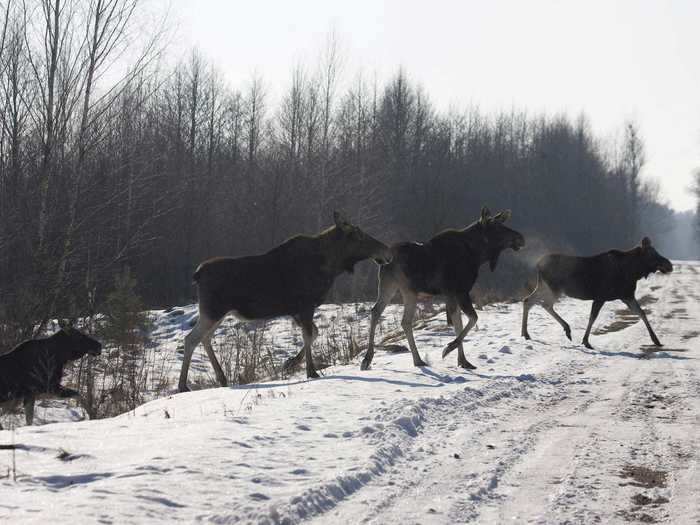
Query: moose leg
(549,308)
(387,289)
(527,304)
(595,310)
(409,311)
(545,297)
(633,305)
(465,303)
(29,408)
(455,315)
(292,362)
(206,342)
(309,333)
(203,326)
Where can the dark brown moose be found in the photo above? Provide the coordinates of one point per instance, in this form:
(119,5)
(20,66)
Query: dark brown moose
(447,264)
(605,277)
(291,279)
(33,369)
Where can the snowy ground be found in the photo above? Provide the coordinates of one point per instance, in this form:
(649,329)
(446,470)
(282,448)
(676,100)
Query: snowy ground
(544,431)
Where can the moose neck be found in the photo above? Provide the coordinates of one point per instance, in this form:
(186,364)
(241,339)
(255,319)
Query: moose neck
(60,345)
(634,264)
(330,244)
(476,242)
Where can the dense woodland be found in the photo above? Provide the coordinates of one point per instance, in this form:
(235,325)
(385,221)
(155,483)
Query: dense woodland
(155,167)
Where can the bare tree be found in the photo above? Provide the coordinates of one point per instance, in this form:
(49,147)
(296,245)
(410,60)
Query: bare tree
(331,63)
(633,159)
(255,113)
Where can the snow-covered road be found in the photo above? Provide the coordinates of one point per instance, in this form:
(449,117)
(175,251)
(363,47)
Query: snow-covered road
(544,431)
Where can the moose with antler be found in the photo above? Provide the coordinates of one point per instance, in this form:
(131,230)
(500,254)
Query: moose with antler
(448,265)
(291,279)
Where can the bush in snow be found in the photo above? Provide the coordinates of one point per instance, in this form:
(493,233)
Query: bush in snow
(126,375)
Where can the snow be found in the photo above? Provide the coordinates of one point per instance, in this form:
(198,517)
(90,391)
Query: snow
(544,431)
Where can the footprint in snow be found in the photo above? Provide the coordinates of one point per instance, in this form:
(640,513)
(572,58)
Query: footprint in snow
(304,427)
(505,350)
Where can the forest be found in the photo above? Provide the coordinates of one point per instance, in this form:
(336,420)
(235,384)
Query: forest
(116,158)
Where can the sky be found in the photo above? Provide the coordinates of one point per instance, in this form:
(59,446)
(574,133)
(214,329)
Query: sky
(616,61)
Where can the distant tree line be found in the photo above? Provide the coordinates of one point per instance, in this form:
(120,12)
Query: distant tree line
(104,167)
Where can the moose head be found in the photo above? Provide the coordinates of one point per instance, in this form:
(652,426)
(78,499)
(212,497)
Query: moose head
(497,235)
(353,245)
(74,343)
(650,260)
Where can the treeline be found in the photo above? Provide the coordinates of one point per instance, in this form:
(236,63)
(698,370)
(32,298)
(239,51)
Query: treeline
(156,170)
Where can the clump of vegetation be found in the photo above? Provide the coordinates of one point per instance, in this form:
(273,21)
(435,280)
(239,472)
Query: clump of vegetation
(125,375)
(248,352)
(124,323)
(246,356)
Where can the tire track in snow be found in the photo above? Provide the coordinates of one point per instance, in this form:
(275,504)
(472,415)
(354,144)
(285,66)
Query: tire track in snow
(411,492)
(627,428)
(576,462)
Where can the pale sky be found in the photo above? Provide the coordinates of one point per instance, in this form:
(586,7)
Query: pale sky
(613,60)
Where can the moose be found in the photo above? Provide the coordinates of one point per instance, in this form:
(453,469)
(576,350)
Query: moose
(33,369)
(448,265)
(291,279)
(604,277)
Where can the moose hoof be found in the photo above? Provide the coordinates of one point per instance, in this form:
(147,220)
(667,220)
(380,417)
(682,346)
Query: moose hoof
(467,365)
(451,346)
(183,388)
(365,364)
(568,334)
(657,342)
(223,381)
(526,336)
(312,374)
(587,345)
(420,362)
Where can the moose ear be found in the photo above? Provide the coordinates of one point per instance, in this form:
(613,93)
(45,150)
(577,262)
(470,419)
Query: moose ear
(646,242)
(485,215)
(340,222)
(503,216)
